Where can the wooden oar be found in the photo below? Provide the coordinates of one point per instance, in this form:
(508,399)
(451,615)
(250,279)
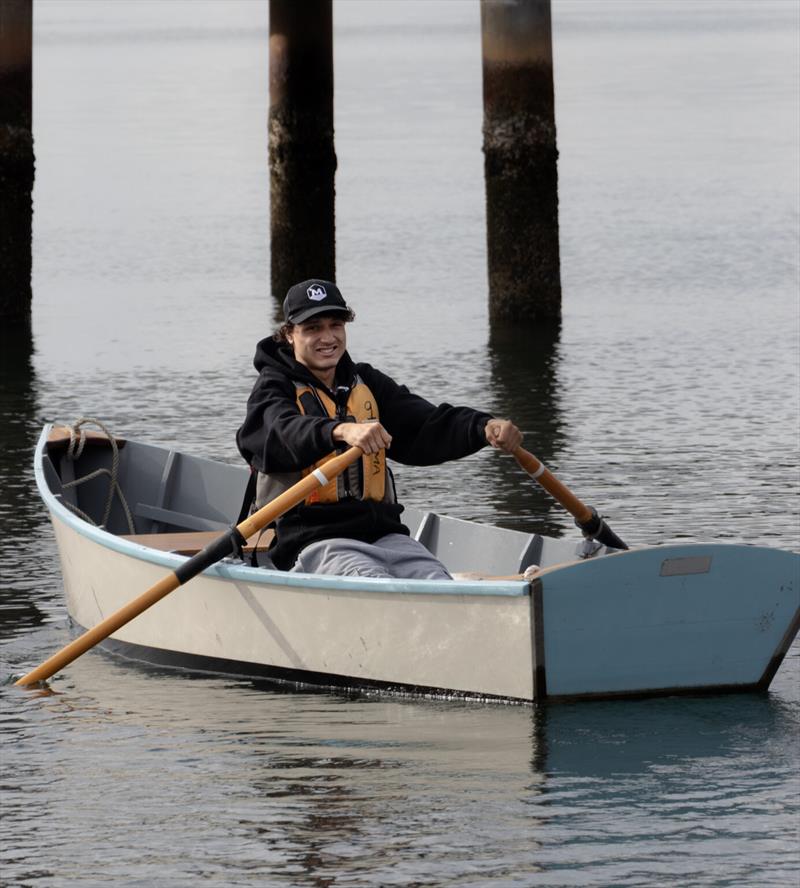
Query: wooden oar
(226,544)
(586,517)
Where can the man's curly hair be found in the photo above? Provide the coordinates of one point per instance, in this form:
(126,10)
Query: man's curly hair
(280,334)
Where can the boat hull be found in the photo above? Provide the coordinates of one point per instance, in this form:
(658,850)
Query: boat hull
(363,633)
(668,619)
(623,625)
(659,620)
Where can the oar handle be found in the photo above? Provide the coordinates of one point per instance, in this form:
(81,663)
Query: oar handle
(562,494)
(215,551)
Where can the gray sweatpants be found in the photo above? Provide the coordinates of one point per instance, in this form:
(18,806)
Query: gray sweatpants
(393,555)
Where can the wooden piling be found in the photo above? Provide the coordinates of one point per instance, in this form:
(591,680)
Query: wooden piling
(302,159)
(520,155)
(16,160)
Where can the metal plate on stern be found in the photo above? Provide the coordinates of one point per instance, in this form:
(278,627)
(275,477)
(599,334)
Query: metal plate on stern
(683,567)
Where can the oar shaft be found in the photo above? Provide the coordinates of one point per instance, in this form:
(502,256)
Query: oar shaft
(296,494)
(213,552)
(592,525)
(543,476)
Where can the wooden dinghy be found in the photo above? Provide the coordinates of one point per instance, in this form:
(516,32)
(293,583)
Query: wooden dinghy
(527,618)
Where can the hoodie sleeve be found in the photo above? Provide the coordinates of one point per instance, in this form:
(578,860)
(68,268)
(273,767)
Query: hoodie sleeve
(424,434)
(275,435)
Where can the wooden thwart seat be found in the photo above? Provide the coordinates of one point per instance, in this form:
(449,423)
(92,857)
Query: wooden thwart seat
(191,542)
(60,436)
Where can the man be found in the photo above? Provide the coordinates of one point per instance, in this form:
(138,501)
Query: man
(311,399)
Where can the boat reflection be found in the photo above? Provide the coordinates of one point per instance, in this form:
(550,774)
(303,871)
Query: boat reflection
(317,780)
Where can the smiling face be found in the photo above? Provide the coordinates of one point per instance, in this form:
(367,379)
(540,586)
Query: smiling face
(318,344)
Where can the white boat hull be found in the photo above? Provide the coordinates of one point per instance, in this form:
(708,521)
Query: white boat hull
(359,635)
(693,618)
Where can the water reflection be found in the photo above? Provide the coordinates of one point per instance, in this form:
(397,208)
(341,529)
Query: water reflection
(524,365)
(603,739)
(297,782)
(319,784)
(17,407)
(631,788)
(21,519)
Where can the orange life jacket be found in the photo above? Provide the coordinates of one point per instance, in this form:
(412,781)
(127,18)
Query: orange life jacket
(366,478)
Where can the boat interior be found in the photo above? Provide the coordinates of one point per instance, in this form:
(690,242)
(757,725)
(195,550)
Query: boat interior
(168,500)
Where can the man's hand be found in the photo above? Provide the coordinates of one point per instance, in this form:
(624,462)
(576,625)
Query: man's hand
(502,434)
(370,436)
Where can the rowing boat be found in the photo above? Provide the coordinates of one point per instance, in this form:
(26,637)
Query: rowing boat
(526,617)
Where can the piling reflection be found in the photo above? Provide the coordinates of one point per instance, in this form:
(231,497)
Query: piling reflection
(20,515)
(525,387)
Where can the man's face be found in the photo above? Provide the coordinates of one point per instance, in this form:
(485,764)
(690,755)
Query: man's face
(318,344)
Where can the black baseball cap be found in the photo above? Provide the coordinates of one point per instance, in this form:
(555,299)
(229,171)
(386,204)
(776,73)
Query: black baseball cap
(310,298)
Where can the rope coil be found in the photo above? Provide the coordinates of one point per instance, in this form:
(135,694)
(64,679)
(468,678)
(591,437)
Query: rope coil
(77,441)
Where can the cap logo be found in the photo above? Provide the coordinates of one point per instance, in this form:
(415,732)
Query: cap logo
(316,292)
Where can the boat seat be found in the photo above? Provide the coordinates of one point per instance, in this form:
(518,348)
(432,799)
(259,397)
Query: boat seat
(466,547)
(59,437)
(161,516)
(178,492)
(192,542)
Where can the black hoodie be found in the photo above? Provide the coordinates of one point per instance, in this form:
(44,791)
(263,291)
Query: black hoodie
(276,437)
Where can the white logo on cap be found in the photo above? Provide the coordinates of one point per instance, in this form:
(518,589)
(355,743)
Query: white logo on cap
(316,292)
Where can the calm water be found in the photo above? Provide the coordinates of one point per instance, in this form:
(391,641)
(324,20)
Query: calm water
(669,398)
